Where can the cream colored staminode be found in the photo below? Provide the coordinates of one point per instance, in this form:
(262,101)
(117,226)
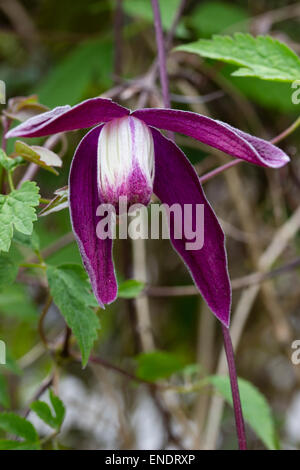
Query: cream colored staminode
(125,145)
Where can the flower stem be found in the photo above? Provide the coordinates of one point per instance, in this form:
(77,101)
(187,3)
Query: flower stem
(161,54)
(10,181)
(287,132)
(238,413)
(219,169)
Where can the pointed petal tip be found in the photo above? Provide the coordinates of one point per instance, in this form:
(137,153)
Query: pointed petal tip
(96,253)
(86,114)
(217,134)
(179,183)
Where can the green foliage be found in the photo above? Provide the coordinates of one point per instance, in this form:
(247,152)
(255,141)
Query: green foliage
(68,81)
(157,365)
(8,163)
(17,211)
(43,410)
(70,289)
(8,270)
(269,95)
(143,9)
(130,289)
(58,203)
(4,394)
(41,156)
(255,408)
(213,17)
(14,424)
(15,445)
(16,302)
(31,241)
(262,57)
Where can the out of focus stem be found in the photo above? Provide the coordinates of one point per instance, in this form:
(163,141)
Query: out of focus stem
(164,81)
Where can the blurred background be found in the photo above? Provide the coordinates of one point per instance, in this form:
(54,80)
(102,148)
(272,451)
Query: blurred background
(65,51)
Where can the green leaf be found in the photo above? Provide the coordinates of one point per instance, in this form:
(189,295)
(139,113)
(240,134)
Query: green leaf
(44,412)
(8,270)
(4,394)
(31,241)
(270,95)
(8,163)
(15,424)
(255,408)
(15,445)
(70,289)
(58,407)
(130,289)
(90,60)
(262,57)
(16,302)
(215,17)
(41,156)
(17,211)
(58,203)
(157,365)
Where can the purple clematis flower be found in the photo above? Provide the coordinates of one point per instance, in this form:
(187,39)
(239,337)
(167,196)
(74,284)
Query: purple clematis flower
(125,154)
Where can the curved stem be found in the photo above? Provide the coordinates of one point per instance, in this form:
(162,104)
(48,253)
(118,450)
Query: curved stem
(286,132)
(219,169)
(238,413)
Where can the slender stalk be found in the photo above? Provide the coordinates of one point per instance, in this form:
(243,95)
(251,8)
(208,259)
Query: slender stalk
(287,132)
(219,169)
(118,23)
(238,413)
(10,181)
(33,265)
(161,54)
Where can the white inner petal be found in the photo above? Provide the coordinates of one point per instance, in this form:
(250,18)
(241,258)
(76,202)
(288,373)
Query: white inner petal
(124,144)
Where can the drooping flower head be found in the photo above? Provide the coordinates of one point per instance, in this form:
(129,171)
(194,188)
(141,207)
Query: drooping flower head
(125,154)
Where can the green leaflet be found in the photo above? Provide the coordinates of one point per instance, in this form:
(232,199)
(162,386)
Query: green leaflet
(261,56)
(17,210)
(8,269)
(255,407)
(157,365)
(43,410)
(15,424)
(70,289)
(130,289)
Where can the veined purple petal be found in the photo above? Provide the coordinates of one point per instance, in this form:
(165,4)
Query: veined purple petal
(84,200)
(217,134)
(177,182)
(67,118)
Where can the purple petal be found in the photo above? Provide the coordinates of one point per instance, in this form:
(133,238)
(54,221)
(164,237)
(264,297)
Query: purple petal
(84,200)
(177,182)
(217,134)
(67,118)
